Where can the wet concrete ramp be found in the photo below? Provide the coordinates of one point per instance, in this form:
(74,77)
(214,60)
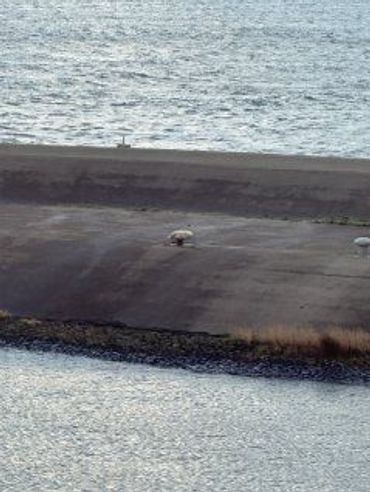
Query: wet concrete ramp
(112,264)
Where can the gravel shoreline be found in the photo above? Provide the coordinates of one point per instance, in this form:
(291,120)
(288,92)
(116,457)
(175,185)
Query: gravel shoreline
(197,352)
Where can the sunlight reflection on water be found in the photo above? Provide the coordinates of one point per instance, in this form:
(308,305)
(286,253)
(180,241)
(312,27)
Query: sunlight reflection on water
(71,423)
(267,76)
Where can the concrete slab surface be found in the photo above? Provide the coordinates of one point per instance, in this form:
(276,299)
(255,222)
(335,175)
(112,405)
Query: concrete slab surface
(109,263)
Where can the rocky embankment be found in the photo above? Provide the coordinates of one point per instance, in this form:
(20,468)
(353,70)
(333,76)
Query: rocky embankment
(200,352)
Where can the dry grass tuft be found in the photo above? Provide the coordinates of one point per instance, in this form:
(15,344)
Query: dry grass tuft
(331,342)
(281,336)
(355,340)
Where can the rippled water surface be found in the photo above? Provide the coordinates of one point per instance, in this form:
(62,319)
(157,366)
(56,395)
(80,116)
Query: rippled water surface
(76,424)
(274,76)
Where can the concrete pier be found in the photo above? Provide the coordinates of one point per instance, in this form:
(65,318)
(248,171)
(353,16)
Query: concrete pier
(83,235)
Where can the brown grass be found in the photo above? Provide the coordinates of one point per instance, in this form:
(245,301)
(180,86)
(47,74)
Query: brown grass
(329,342)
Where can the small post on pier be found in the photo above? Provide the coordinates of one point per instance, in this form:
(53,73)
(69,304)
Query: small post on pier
(123,144)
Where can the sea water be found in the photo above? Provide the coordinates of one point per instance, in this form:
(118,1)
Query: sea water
(284,76)
(76,424)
